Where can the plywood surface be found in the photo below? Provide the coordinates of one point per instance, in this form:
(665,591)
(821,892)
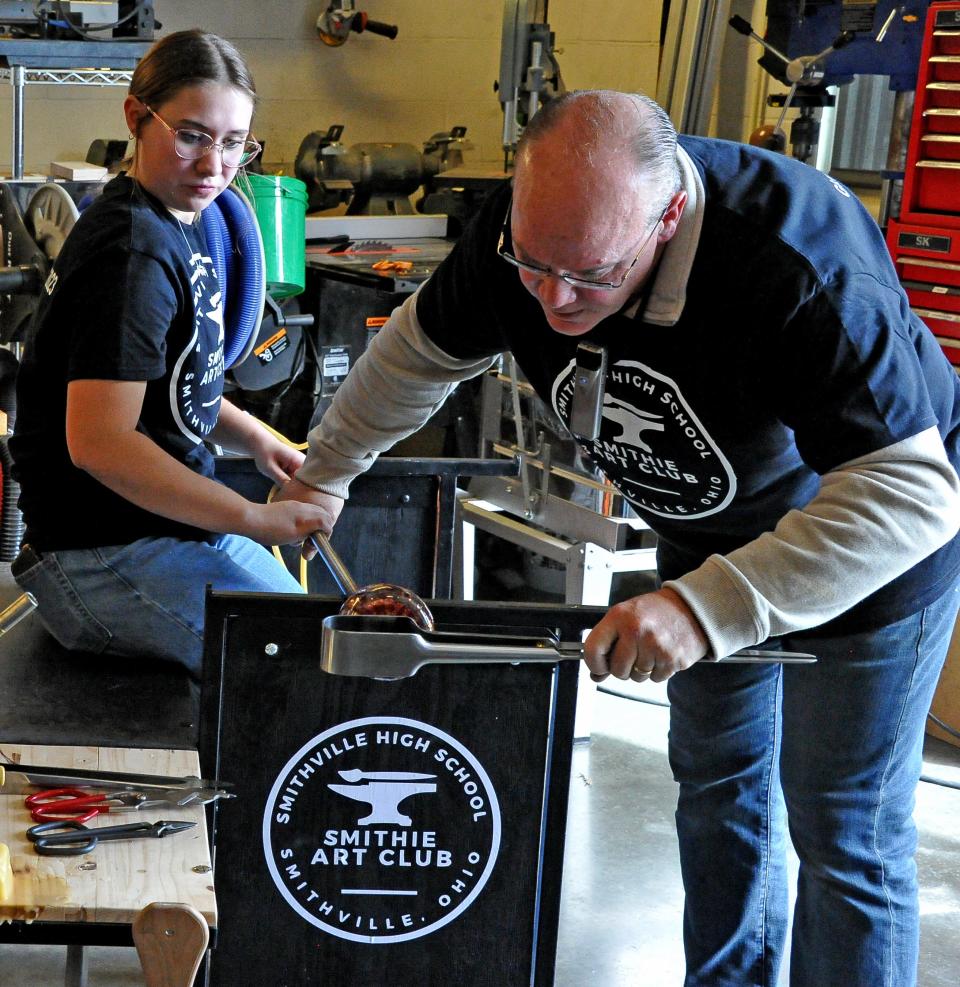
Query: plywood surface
(118,879)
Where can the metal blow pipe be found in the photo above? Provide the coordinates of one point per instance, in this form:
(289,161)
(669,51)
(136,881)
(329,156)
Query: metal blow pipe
(17,77)
(21,607)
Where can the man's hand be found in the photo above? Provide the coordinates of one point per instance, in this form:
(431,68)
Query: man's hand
(293,489)
(647,637)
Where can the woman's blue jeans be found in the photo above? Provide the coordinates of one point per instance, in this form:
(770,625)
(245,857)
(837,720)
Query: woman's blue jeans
(146,599)
(834,750)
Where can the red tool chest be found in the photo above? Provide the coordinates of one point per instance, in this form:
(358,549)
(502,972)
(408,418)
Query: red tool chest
(925,241)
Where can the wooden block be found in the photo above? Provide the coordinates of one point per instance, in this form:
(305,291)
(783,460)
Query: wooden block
(171,940)
(6,873)
(81,171)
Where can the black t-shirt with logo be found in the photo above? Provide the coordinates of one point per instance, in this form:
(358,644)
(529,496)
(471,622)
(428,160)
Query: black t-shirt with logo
(133,296)
(795,352)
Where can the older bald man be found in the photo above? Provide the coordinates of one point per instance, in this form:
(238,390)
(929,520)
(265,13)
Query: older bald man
(791,431)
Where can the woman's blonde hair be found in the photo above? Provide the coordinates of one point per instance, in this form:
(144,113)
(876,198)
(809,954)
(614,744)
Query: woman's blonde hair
(188,58)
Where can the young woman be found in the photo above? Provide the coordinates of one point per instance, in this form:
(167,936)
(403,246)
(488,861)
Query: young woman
(121,388)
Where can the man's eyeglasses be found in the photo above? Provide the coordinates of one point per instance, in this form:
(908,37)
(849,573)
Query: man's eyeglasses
(193,144)
(593,284)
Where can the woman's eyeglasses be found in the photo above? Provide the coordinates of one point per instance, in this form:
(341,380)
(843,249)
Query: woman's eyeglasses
(193,144)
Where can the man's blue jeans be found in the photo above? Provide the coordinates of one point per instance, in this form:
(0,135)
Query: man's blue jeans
(147,598)
(835,750)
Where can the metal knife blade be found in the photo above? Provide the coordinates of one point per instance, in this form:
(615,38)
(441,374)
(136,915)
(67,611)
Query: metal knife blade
(23,778)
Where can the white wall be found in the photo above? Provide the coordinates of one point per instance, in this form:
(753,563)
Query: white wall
(438,73)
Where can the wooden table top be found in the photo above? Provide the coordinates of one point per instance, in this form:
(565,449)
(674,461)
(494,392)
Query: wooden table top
(114,882)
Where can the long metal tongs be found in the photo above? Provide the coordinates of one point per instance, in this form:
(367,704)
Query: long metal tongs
(22,779)
(395,648)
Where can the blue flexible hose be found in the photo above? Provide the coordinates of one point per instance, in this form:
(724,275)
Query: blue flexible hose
(236,249)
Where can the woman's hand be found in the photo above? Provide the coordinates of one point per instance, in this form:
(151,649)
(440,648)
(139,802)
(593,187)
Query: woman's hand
(239,432)
(275,459)
(296,492)
(283,522)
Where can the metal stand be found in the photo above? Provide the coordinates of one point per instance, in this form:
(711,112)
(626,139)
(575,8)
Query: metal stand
(19,76)
(592,539)
(588,571)
(75,973)
(588,530)
(61,63)
(588,568)
(691,61)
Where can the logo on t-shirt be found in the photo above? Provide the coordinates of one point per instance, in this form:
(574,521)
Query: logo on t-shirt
(197,381)
(651,445)
(843,190)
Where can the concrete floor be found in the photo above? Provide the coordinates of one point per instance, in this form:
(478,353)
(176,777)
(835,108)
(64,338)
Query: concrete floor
(622,902)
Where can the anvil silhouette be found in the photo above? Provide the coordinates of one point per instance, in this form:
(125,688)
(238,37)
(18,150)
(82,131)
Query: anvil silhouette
(384,791)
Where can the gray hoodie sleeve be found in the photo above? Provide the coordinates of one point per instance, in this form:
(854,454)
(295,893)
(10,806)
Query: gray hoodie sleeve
(873,518)
(393,389)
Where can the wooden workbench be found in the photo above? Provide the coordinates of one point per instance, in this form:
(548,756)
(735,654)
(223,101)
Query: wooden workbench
(162,888)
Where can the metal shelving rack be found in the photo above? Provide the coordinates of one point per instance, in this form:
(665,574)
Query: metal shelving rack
(62,63)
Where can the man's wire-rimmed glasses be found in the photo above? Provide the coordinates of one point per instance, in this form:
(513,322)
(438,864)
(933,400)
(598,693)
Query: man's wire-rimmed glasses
(193,144)
(504,245)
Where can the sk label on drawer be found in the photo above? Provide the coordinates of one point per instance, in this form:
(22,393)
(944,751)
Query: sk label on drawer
(947,18)
(924,241)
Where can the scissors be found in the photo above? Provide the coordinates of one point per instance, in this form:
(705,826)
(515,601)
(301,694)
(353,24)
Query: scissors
(81,806)
(68,838)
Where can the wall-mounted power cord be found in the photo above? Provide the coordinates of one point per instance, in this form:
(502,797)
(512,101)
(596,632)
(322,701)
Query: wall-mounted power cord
(607,691)
(943,726)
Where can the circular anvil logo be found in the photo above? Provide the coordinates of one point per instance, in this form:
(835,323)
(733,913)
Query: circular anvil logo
(382,829)
(652,445)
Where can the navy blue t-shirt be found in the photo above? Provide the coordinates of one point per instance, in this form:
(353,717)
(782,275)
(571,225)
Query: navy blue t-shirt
(796,351)
(133,296)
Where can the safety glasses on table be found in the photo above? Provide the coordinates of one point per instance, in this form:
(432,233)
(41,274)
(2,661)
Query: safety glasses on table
(193,144)
(505,250)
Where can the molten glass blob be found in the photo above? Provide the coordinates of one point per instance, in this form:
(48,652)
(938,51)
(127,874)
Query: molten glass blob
(387,600)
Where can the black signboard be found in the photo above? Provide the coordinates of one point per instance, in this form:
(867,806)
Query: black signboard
(388,833)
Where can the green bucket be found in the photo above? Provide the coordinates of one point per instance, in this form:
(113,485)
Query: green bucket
(280,205)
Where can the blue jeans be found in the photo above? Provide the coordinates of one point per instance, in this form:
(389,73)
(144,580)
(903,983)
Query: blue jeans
(834,750)
(146,599)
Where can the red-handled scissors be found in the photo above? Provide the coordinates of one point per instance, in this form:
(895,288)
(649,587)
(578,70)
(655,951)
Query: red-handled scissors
(75,804)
